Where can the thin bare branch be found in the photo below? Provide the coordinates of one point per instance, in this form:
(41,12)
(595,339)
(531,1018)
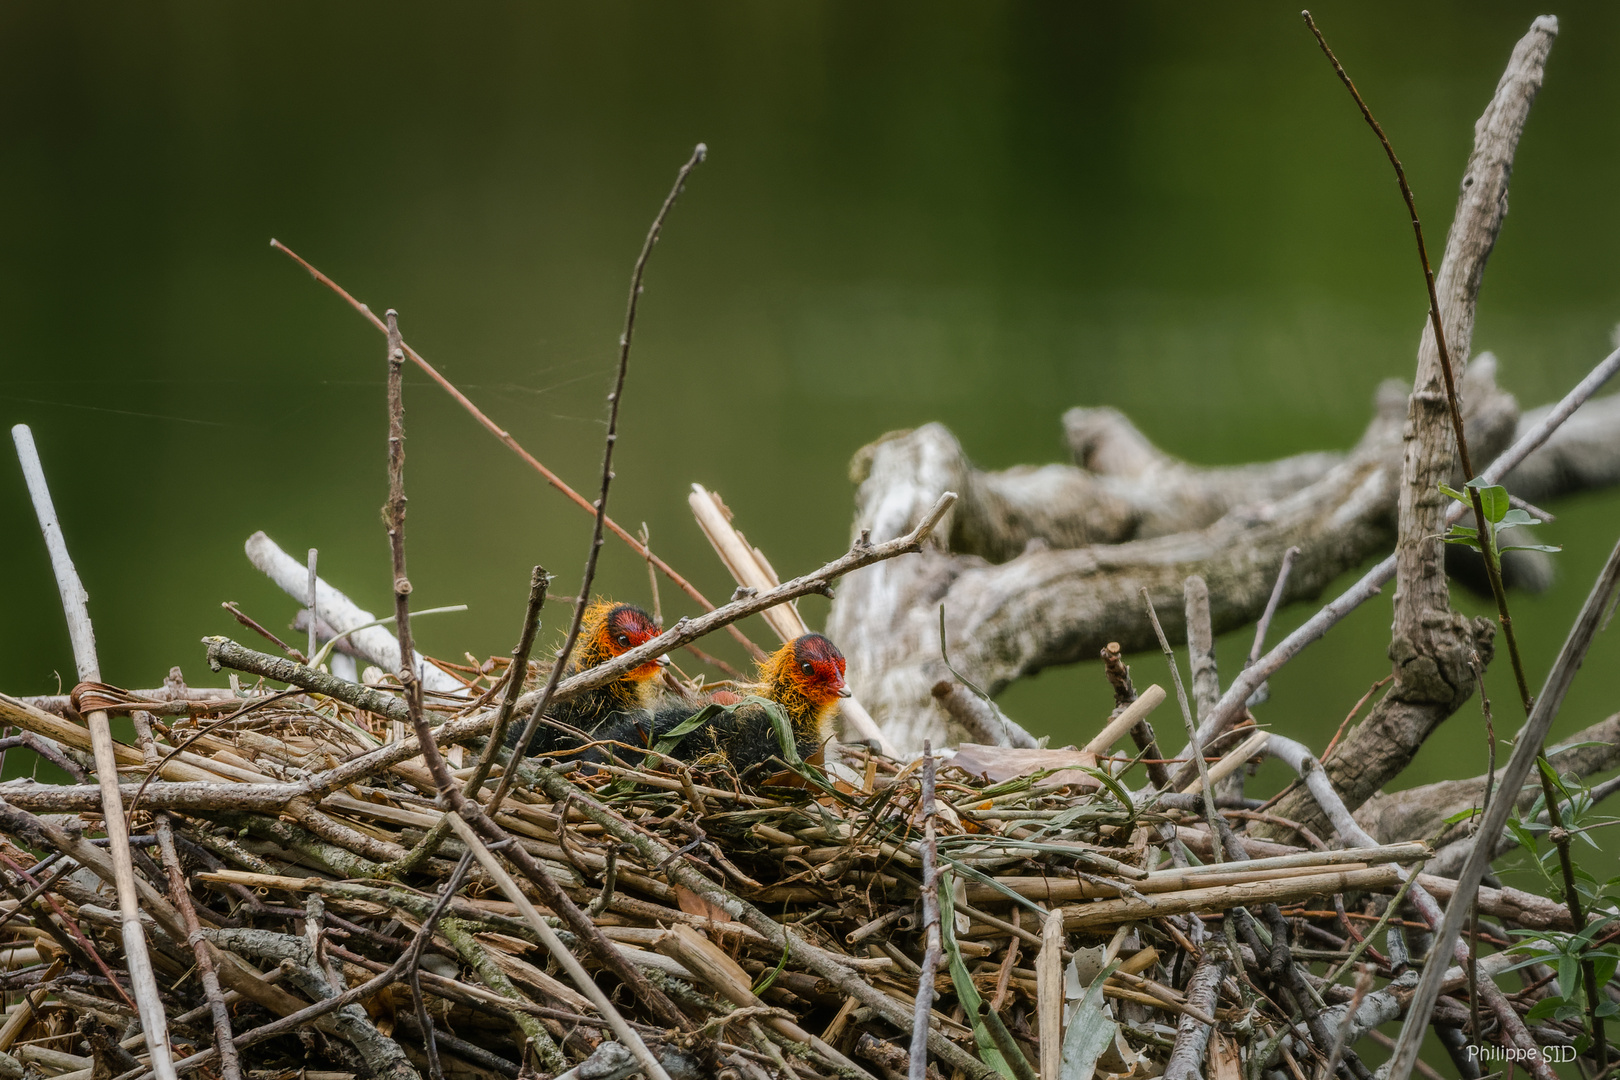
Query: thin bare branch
(921,1015)
(582,600)
(512,444)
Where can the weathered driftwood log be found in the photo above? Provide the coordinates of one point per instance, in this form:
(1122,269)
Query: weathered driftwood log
(1039,566)
(1030,577)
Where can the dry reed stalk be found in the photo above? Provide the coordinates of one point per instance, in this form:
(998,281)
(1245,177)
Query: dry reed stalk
(75,602)
(1219,898)
(1134,713)
(751,570)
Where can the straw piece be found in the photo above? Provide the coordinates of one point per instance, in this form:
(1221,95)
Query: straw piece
(1102,913)
(1136,711)
(1049,994)
(1232,762)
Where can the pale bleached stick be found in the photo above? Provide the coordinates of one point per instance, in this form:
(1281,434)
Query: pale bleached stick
(314,595)
(375,643)
(752,570)
(1232,762)
(75,603)
(1145,703)
(746,563)
(1274,602)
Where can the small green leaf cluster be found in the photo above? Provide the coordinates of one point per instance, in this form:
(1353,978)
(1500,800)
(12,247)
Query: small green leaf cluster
(1499,515)
(1578,813)
(1565,953)
(1561,951)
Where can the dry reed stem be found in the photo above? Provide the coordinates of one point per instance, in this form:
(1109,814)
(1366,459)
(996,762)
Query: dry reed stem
(75,602)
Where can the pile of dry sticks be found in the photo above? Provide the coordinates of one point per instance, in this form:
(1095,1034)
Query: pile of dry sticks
(279,840)
(353,877)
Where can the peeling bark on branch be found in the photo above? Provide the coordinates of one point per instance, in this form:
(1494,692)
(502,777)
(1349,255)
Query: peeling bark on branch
(1438,654)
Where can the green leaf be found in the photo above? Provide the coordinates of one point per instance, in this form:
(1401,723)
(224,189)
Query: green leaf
(974,874)
(1521,834)
(673,737)
(1516,518)
(1554,779)
(1544,1008)
(1608,1007)
(967,995)
(1551,549)
(1088,1031)
(785,737)
(1593,928)
(1535,958)
(765,984)
(1107,779)
(1554,751)
(1493,499)
(1462,815)
(1446,489)
(1569,974)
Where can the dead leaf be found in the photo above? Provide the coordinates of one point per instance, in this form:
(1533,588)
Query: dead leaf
(1000,763)
(693,904)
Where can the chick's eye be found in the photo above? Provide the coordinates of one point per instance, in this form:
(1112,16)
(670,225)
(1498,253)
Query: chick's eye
(624,641)
(807,667)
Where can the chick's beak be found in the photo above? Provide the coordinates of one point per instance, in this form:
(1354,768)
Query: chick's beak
(662,661)
(844,691)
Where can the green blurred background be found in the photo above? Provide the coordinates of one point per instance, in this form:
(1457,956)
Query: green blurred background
(974,213)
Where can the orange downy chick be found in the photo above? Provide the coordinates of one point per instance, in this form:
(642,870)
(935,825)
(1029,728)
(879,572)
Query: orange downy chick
(805,677)
(607,630)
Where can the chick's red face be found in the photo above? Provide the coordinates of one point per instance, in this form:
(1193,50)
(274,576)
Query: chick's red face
(626,627)
(819,669)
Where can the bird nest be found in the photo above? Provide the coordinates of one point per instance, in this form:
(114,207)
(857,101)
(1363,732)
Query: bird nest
(780,929)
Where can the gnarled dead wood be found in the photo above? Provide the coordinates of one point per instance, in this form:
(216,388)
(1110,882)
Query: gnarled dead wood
(1020,596)
(1038,565)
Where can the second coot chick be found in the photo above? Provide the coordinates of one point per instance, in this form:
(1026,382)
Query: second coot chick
(805,677)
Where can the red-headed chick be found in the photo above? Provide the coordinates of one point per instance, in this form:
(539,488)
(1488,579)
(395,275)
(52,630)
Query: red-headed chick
(805,677)
(608,630)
